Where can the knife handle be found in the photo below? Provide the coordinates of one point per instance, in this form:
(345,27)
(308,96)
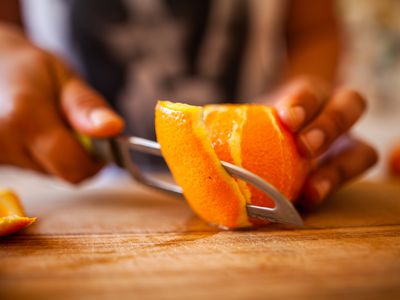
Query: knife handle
(103,149)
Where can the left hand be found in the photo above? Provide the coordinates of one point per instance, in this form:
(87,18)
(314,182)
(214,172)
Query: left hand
(321,121)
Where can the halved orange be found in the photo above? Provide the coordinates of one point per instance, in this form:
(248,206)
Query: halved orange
(12,217)
(194,139)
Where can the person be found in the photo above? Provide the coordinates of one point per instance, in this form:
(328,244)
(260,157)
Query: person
(177,49)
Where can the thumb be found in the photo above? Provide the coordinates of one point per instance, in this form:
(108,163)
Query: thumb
(87,112)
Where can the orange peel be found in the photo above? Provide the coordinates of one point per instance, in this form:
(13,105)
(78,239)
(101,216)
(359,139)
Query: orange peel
(12,216)
(194,139)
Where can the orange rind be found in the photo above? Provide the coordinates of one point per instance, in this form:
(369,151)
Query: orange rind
(188,151)
(194,139)
(12,216)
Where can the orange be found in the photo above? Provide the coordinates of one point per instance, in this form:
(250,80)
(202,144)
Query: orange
(225,124)
(188,151)
(194,139)
(12,217)
(269,150)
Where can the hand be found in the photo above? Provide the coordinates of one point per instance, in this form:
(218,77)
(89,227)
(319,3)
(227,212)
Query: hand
(321,121)
(42,103)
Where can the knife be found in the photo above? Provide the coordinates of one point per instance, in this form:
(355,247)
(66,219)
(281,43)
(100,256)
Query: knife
(119,149)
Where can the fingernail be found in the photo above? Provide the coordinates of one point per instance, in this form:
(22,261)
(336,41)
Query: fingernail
(323,187)
(313,140)
(101,116)
(294,117)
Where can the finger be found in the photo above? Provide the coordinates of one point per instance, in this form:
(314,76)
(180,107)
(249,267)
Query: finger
(87,112)
(61,154)
(13,152)
(336,171)
(342,111)
(19,157)
(22,159)
(301,102)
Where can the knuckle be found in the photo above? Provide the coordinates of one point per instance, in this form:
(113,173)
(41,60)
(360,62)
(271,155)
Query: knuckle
(85,99)
(306,95)
(336,172)
(312,92)
(371,155)
(303,82)
(338,123)
(341,172)
(19,112)
(78,94)
(354,99)
(22,103)
(308,81)
(357,99)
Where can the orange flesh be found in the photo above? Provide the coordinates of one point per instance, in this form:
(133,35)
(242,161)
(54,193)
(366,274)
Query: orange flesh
(12,216)
(262,152)
(250,136)
(269,151)
(225,124)
(188,152)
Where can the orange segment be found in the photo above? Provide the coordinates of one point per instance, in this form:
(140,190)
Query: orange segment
(186,146)
(297,166)
(225,124)
(268,150)
(12,217)
(262,152)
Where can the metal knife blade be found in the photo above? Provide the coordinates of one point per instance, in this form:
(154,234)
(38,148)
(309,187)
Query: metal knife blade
(118,150)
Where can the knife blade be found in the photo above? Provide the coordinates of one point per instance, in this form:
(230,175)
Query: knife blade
(118,150)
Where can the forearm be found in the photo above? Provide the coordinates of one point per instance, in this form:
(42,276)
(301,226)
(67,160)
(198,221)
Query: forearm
(313,41)
(318,58)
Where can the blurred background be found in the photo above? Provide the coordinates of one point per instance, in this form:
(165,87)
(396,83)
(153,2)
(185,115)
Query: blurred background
(370,62)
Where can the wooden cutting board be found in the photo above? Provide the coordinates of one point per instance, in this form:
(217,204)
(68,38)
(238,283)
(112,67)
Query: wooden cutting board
(114,239)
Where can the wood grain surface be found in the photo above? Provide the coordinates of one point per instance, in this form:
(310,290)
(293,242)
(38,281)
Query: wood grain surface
(114,239)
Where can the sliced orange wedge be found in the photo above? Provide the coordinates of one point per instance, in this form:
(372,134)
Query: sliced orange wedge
(193,140)
(12,217)
(185,144)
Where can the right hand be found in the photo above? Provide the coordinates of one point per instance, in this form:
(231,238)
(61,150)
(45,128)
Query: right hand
(42,104)
(322,120)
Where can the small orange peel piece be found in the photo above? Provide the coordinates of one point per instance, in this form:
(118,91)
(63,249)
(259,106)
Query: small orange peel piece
(12,216)
(194,139)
